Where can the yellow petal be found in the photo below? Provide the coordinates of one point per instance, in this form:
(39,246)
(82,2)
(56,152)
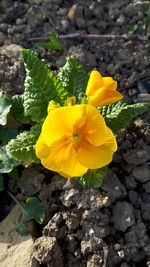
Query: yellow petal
(94,83)
(94,127)
(109,83)
(62,122)
(104,97)
(111,140)
(96,157)
(60,157)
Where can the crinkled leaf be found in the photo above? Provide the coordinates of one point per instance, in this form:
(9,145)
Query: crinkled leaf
(119,115)
(54,45)
(1,183)
(93,178)
(18,109)
(5,105)
(33,210)
(23,147)
(7,134)
(7,163)
(41,86)
(73,77)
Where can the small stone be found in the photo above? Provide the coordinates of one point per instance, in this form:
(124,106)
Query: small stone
(64,24)
(47,250)
(121,254)
(91,245)
(141,173)
(53,228)
(123,216)
(74,13)
(121,19)
(113,186)
(95,260)
(12,50)
(137,156)
(130,183)
(72,220)
(19,21)
(133,196)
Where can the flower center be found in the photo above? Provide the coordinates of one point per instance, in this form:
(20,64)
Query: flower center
(76,137)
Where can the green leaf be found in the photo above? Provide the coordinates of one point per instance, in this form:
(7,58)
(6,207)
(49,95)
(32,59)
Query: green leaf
(21,229)
(1,183)
(73,78)
(119,115)
(14,175)
(41,86)
(133,29)
(18,109)
(5,105)
(7,163)
(23,147)
(33,210)
(54,45)
(93,178)
(7,134)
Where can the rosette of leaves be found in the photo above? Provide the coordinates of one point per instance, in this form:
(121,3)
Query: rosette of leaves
(41,86)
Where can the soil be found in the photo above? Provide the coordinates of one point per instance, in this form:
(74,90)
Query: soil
(108,226)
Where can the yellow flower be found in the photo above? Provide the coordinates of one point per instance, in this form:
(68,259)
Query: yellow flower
(74,139)
(101,91)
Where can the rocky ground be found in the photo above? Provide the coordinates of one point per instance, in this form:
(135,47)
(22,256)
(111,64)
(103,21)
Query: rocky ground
(104,227)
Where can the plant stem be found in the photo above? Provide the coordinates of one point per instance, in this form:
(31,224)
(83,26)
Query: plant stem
(15,199)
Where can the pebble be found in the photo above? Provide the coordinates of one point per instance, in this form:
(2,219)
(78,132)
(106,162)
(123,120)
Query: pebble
(141,173)
(19,21)
(64,24)
(12,50)
(113,187)
(121,19)
(75,12)
(137,156)
(123,216)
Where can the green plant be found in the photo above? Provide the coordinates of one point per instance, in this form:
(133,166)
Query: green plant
(32,107)
(147,21)
(54,45)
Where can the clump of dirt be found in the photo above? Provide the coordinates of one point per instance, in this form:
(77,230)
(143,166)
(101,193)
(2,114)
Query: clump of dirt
(108,226)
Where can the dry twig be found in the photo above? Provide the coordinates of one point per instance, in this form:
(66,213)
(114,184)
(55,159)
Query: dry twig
(126,37)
